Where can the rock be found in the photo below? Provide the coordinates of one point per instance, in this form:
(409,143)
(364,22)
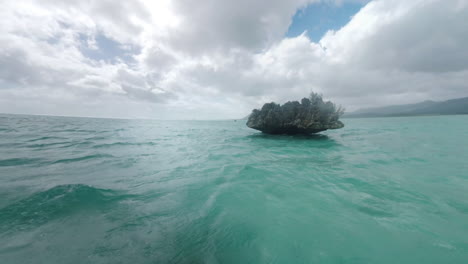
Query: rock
(311,115)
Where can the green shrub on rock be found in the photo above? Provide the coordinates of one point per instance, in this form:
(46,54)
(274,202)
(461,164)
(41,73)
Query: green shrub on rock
(311,115)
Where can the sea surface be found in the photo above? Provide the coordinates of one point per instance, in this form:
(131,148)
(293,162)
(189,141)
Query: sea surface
(380,190)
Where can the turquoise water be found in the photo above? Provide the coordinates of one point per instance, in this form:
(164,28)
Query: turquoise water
(81,190)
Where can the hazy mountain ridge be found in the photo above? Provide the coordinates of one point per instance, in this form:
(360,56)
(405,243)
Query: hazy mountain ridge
(457,106)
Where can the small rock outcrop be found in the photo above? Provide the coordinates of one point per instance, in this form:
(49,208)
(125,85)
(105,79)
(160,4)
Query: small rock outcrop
(311,115)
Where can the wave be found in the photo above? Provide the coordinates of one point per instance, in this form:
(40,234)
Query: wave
(77,131)
(44,138)
(18,162)
(95,156)
(54,203)
(45,145)
(118,144)
(8,130)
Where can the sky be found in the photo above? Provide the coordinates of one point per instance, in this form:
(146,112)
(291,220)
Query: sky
(318,18)
(219,59)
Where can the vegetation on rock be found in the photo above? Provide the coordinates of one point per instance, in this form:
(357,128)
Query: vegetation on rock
(311,115)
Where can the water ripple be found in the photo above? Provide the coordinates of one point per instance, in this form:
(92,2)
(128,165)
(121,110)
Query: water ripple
(377,191)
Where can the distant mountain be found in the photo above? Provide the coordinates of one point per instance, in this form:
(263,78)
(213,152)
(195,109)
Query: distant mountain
(450,107)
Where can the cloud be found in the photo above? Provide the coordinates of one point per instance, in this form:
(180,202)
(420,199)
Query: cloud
(211,25)
(219,59)
(413,36)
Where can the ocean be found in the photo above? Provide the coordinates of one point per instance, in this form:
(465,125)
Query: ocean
(85,190)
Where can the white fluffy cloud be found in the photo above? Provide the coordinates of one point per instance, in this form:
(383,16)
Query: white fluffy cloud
(219,59)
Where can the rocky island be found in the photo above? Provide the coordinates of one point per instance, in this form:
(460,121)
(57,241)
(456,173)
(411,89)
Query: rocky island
(311,115)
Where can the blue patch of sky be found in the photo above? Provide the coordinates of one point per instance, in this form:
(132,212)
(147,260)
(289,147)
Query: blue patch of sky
(318,18)
(106,49)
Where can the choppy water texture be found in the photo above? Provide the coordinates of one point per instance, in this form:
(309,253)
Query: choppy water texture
(81,190)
